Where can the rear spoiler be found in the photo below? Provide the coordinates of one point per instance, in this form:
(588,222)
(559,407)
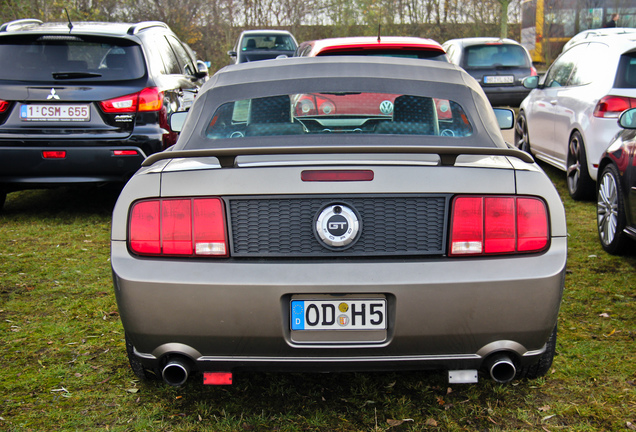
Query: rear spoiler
(227,155)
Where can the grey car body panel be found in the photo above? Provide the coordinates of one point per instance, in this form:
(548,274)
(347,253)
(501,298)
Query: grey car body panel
(234,313)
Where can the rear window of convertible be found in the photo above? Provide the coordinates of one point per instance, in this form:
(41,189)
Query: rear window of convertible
(339,112)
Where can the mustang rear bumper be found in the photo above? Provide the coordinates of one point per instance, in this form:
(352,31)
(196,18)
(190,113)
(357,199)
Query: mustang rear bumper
(442,313)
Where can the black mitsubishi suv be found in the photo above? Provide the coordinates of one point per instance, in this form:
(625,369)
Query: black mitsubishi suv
(86,102)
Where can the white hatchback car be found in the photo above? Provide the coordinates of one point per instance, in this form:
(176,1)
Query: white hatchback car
(570,117)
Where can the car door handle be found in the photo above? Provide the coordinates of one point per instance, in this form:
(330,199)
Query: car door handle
(553,102)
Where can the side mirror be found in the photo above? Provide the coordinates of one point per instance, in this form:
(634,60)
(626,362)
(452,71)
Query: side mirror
(176,120)
(627,120)
(531,82)
(202,70)
(231,53)
(505,118)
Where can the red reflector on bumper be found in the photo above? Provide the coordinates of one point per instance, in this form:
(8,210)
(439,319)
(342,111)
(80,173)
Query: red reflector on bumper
(125,152)
(217,378)
(54,154)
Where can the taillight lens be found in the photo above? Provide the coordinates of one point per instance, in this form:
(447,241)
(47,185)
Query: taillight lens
(178,227)
(533,71)
(3,105)
(149,99)
(498,225)
(613,106)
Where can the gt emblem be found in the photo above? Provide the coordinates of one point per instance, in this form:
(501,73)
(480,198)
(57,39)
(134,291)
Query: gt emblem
(53,95)
(337,226)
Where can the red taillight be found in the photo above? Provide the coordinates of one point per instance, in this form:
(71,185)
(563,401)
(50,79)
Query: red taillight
(613,106)
(533,71)
(336,175)
(149,99)
(178,227)
(54,154)
(3,105)
(498,225)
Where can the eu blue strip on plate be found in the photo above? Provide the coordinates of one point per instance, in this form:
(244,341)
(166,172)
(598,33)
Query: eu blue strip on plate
(298,315)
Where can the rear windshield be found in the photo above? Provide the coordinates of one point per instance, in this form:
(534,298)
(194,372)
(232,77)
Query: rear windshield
(489,55)
(268,42)
(341,113)
(47,58)
(626,72)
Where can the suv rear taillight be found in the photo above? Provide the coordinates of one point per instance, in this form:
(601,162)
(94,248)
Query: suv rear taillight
(613,106)
(489,225)
(149,99)
(3,105)
(178,227)
(533,71)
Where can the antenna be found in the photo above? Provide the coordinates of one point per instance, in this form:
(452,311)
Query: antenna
(70,24)
(379,28)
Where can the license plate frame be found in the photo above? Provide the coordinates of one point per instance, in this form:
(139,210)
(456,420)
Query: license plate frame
(55,112)
(338,314)
(499,79)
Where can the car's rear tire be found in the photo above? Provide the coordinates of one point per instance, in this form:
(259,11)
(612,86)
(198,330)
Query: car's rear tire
(610,211)
(544,364)
(138,368)
(580,184)
(522,139)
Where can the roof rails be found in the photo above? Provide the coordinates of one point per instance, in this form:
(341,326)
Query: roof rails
(14,25)
(136,28)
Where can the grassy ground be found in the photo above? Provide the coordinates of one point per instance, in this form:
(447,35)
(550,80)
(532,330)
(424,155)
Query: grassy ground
(64,365)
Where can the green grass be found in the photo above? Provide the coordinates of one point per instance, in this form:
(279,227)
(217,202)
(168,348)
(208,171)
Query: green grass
(64,365)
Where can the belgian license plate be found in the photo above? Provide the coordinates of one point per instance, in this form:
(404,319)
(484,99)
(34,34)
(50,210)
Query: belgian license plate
(348,314)
(503,79)
(55,112)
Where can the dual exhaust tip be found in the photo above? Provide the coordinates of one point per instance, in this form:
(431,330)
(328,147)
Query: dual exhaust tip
(500,367)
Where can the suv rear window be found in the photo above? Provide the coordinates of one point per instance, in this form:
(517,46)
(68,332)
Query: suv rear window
(339,112)
(626,72)
(486,56)
(60,57)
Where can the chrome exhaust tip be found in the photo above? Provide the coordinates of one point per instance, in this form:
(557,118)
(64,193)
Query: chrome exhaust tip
(502,369)
(175,372)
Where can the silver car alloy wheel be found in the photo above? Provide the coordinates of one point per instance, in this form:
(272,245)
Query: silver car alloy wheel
(607,208)
(574,164)
(522,140)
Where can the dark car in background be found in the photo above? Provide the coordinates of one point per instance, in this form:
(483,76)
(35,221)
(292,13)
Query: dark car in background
(393,241)
(255,45)
(499,65)
(87,102)
(616,189)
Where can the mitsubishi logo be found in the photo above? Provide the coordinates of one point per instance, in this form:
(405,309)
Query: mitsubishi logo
(53,95)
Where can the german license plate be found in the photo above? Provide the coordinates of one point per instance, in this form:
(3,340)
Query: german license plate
(347,314)
(55,112)
(503,79)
